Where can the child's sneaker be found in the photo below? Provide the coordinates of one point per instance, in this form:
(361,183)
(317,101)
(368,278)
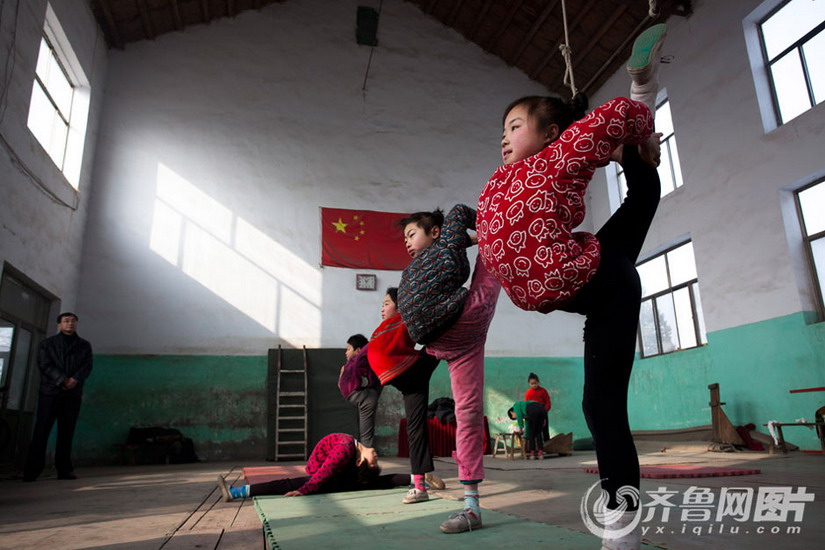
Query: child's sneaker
(463,521)
(434,481)
(540,455)
(643,65)
(414,495)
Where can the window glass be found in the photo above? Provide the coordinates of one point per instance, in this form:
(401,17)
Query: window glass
(666,174)
(700,317)
(684,318)
(812,202)
(682,265)
(789,84)
(818,253)
(647,327)
(814,52)
(6,335)
(668,331)
(794,20)
(653,274)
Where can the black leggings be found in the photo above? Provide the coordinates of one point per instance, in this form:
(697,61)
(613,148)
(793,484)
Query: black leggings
(414,385)
(536,417)
(334,485)
(611,303)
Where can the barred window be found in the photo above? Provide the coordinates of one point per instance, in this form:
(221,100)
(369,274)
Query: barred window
(671,317)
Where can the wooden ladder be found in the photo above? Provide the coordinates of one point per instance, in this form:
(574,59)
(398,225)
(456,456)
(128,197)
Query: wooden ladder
(291,422)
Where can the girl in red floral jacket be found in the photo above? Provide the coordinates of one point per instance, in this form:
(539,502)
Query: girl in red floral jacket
(527,214)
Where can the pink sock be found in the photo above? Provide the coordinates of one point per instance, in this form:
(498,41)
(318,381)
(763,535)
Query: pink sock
(418,481)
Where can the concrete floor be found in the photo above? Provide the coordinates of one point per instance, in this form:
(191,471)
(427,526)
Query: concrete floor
(173,507)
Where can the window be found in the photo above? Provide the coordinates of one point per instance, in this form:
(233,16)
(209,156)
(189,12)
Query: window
(793,41)
(671,316)
(811,205)
(51,104)
(786,46)
(59,105)
(670,172)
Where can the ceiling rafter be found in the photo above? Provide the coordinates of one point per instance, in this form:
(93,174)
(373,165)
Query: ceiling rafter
(479,19)
(176,15)
(110,24)
(145,19)
(505,24)
(454,14)
(537,24)
(554,51)
(596,38)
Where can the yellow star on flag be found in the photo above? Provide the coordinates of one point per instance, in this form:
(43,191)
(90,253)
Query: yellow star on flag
(340,225)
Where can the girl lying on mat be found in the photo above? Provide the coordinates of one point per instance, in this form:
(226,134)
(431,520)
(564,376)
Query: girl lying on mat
(338,463)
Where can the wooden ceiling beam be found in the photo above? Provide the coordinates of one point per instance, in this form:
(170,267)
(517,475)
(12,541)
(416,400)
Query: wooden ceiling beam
(616,52)
(479,19)
(111,25)
(537,24)
(554,51)
(506,23)
(148,29)
(454,14)
(176,15)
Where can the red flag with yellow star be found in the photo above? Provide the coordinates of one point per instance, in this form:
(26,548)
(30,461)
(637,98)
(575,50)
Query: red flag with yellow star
(362,239)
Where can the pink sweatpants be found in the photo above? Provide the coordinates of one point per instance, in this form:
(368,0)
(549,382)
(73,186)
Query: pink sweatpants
(462,346)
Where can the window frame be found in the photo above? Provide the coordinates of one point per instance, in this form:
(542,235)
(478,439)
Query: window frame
(763,78)
(795,46)
(78,116)
(65,118)
(616,180)
(698,332)
(819,300)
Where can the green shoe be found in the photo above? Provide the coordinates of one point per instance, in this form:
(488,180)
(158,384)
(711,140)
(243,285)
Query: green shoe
(646,52)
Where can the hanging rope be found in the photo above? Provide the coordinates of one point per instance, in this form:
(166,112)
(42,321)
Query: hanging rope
(565,52)
(653,11)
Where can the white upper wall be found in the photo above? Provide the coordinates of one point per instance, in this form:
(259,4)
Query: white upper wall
(733,171)
(42,217)
(220,143)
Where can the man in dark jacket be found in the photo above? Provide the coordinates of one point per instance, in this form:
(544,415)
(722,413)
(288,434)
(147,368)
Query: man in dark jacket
(65,361)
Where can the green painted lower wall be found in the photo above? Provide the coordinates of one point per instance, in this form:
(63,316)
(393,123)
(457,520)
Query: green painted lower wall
(220,401)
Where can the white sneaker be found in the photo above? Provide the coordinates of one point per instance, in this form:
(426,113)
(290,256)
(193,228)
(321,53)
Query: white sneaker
(414,495)
(627,541)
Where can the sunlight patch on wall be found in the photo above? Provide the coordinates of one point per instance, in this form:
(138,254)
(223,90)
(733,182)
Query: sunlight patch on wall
(235,260)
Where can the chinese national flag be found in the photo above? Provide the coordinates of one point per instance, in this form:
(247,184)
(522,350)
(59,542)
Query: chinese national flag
(362,239)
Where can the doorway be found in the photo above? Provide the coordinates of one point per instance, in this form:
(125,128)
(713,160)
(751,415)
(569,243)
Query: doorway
(24,320)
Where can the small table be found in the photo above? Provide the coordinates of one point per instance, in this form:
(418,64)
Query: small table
(508,442)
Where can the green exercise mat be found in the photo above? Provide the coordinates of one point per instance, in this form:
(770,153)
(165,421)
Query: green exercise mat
(378,519)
